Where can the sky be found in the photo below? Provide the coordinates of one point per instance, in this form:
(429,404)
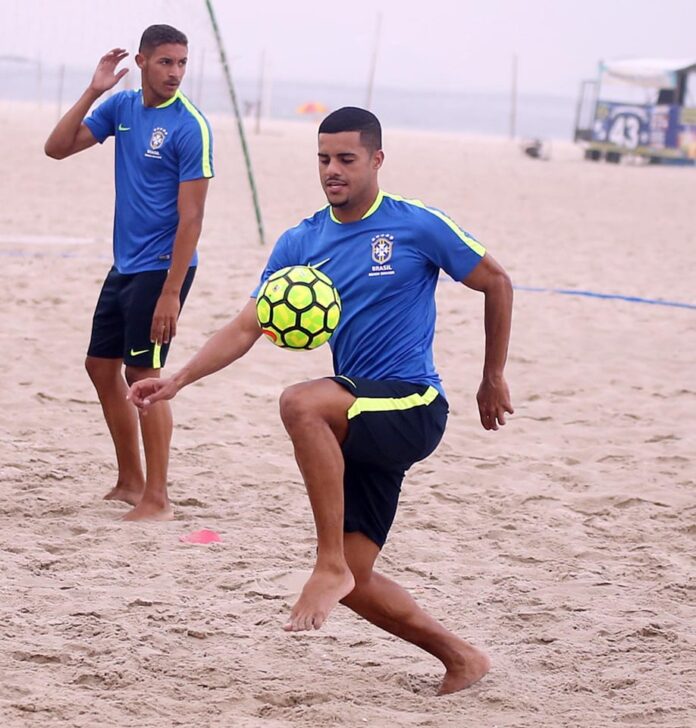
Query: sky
(444,45)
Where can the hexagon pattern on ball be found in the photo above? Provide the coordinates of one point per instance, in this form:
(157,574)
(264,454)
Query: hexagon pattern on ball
(298,308)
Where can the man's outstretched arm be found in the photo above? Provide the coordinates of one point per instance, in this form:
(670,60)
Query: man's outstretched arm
(227,345)
(70,135)
(493,396)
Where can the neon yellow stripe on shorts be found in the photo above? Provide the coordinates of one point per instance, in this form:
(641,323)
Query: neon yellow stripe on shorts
(391,404)
(156,361)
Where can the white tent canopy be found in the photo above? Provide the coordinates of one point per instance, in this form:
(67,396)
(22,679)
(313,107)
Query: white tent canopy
(648,72)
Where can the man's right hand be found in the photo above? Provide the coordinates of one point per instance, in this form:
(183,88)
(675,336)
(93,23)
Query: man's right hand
(105,77)
(145,392)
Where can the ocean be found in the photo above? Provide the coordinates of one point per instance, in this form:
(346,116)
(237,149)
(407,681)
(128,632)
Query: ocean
(538,116)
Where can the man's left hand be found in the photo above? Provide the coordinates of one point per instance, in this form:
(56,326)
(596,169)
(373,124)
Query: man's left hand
(493,399)
(163,328)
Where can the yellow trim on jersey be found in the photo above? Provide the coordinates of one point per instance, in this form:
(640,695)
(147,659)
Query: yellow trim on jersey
(390,404)
(375,205)
(466,239)
(156,361)
(169,102)
(372,210)
(205,133)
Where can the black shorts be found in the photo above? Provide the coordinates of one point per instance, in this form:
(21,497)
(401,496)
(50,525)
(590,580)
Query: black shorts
(123,317)
(391,425)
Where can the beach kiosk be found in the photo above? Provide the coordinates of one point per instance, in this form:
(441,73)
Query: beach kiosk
(642,108)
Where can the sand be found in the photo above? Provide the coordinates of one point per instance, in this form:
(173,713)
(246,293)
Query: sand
(563,543)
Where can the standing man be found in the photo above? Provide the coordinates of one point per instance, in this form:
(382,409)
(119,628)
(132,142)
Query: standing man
(355,434)
(163,164)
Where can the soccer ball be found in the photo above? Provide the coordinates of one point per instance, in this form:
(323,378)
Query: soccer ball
(298,307)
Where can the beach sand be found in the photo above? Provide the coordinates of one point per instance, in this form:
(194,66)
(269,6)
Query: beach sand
(562,544)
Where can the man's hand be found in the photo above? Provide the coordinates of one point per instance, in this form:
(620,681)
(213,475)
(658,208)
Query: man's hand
(493,399)
(145,392)
(163,328)
(105,77)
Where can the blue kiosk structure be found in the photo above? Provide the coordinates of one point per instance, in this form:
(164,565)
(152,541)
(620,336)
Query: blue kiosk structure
(640,108)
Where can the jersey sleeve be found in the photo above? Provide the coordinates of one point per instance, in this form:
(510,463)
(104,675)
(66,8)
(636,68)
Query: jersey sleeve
(195,149)
(281,257)
(102,121)
(449,247)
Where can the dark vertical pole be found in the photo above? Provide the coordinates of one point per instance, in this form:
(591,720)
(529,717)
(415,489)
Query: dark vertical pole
(61,80)
(39,81)
(373,62)
(260,90)
(240,126)
(513,99)
(199,84)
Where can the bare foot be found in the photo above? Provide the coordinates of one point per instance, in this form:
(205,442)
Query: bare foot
(472,666)
(121,493)
(148,510)
(322,592)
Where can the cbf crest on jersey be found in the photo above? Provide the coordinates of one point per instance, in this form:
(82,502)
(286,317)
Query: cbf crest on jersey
(382,248)
(159,134)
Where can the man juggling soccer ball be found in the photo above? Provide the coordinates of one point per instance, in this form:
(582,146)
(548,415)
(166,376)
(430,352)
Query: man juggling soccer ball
(355,434)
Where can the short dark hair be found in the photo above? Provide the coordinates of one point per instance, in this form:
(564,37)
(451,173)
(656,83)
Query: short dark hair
(352,118)
(157,35)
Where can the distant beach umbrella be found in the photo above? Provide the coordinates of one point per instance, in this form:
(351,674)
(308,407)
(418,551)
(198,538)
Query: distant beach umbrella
(311,107)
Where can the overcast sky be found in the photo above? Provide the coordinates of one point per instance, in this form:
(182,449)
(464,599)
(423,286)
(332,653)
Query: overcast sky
(453,45)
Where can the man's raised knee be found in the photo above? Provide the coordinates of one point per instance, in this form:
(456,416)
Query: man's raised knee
(320,399)
(293,404)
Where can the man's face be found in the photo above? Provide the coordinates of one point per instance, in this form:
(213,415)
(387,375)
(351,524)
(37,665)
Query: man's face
(347,169)
(164,69)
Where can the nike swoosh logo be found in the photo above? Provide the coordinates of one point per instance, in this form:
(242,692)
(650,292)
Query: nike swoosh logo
(123,128)
(319,264)
(138,353)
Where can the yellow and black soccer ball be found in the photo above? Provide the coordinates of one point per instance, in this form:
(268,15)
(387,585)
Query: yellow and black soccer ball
(298,307)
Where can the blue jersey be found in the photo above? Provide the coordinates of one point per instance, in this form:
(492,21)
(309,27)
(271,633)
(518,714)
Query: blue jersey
(156,148)
(385,268)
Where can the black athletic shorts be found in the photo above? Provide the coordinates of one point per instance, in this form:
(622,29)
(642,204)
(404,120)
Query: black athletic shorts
(391,425)
(123,317)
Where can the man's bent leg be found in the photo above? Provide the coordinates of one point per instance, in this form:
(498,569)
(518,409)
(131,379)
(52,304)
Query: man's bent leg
(156,428)
(314,415)
(122,421)
(387,605)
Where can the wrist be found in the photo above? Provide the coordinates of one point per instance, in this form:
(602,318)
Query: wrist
(93,93)
(179,379)
(493,376)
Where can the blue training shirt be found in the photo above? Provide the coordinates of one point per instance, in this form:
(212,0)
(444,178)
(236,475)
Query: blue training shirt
(385,268)
(156,148)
